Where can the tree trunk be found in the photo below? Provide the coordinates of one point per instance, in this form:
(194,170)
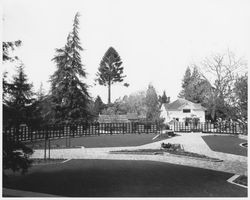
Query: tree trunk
(109,93)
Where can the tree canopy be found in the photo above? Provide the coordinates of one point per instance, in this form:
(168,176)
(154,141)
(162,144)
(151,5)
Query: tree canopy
(153,105)
(69,95)
(110,70)
(214,85)
(19,100)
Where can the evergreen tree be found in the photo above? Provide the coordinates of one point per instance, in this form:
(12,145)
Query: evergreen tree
(41,92)
(6,87)
(185,83)
(98,106)
(163,99)
(194,88)
(69,95)
(153,105)
(110,70)
(6,47)
(240,99)
(17,109)
(38,108)
(20,98)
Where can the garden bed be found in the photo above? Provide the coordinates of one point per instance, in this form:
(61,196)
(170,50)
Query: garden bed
(244,144)
(242,180)
(165,151)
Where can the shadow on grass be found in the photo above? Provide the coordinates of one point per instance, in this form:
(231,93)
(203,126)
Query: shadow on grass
(119,178)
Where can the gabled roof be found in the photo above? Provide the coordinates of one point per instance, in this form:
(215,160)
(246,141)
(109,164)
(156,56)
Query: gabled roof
(179,104)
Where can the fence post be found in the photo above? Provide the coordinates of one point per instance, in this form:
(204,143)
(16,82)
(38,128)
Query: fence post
(49,147)
(45,142)
(110,128)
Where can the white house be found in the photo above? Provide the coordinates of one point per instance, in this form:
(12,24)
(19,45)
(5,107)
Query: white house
(182,110)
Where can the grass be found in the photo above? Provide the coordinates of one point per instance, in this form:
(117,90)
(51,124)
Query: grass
(124,178)
(118,140)
(226,144)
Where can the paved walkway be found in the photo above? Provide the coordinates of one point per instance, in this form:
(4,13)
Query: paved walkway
(191,142)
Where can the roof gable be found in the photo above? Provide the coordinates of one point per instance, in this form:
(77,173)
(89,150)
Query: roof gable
(180,104)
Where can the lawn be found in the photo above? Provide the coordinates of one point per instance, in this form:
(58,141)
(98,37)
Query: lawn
(119,140)
(226,144)
(120,178)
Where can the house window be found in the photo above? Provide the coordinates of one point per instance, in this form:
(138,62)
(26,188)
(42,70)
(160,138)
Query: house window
(186,110)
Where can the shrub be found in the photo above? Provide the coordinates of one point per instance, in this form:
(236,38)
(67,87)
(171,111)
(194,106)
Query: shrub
(166,146)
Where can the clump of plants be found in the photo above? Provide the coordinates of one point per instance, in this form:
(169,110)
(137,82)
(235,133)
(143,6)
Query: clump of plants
(171,147)
(242,180)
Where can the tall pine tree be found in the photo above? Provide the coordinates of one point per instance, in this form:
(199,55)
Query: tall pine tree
(14,153)
(110,70)
(70,96)
(20,99)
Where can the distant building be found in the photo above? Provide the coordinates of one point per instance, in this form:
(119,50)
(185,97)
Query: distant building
(182,110)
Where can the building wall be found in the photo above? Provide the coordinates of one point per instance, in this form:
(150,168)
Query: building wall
(170,115)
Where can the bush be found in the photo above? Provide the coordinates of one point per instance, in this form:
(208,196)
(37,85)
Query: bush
(171,147)
(166,146)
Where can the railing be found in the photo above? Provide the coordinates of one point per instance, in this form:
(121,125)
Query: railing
(223,128)
(25,133)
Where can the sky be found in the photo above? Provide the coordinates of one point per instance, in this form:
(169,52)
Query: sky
(156,39)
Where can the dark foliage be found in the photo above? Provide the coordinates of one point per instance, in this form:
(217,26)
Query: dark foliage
(15,155)
(7,46)
(110,70)
(98,106)
(69,95)
(153,105)
(18,106)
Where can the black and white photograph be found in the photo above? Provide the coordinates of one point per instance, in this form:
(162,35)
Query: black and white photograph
(122,98)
